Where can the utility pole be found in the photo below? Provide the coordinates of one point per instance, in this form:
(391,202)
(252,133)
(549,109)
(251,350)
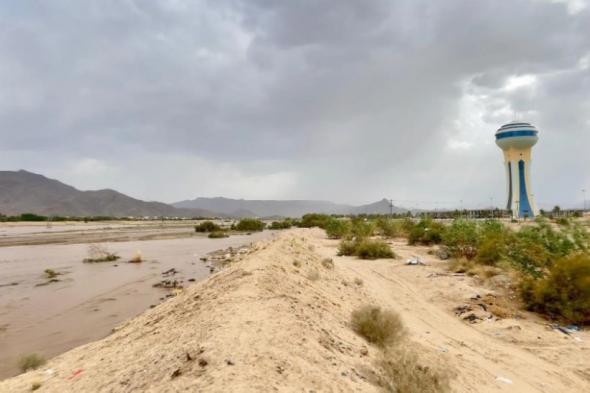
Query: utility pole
(584,195)
(391,207)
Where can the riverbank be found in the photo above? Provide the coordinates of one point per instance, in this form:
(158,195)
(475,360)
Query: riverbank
(279,320)
(87,300)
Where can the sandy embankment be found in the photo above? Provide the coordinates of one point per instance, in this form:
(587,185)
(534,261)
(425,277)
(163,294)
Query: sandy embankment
(263,325)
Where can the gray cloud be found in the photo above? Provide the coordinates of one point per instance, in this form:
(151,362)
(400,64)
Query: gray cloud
(350,100)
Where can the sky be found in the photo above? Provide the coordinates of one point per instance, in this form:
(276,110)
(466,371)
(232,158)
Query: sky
(349,100)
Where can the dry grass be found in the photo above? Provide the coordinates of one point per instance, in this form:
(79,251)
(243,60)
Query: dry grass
(35,386)
(30,362)
(99,253)
(403,373)
(382,328)
(328,263)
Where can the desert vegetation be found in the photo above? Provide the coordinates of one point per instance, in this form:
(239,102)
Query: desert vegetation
(100,253)
(249,225)
(285,224)
(30,362)
(207,226)
(547,261)
(400,366)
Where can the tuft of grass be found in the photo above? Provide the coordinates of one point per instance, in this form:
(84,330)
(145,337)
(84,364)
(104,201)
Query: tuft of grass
(217,235)
(30,362)
(382,328)
(328,263)
(403,373)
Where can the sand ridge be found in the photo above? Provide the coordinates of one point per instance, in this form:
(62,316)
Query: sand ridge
(278,320)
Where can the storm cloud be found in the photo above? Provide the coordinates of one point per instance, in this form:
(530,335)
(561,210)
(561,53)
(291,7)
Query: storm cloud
(348,100)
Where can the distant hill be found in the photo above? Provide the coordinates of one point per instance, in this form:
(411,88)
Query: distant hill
(26,192)
(286,208)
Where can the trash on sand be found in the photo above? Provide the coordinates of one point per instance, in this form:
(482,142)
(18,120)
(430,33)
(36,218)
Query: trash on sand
(75,374)
(504,380)
(414,261)
(567,329)
(578,339)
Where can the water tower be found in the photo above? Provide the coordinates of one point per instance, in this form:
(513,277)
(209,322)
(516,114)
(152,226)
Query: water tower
(516,140)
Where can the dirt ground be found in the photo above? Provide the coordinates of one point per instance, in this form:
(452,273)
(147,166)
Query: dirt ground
(278,320)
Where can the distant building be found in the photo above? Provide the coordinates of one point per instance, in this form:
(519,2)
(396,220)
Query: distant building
(516,140)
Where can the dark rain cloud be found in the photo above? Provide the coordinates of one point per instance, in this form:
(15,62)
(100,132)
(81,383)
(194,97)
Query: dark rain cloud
(345,100)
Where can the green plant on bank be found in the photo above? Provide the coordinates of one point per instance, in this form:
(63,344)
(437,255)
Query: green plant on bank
(564,292)
(314,220)
(30,362)
(207,226)
(250,225)
(365,249)
(285,224)
(50,273)
(217,235)
(426,231)
(99,253)
(338,228)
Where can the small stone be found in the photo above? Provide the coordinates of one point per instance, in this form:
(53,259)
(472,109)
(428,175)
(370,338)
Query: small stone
(203,362)
(176,373)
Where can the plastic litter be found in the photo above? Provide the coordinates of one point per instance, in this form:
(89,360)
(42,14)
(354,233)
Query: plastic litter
(504,380)
(414,261)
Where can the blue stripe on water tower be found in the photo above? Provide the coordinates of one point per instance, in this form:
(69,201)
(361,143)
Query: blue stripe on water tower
(525,206)
(509,204)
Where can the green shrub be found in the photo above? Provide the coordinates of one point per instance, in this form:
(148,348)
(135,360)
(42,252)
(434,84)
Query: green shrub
(30,362)
(207,226)
(377,326)
(461,238)
(426,232)
(250,225)
(347,248)
(217,235)
(314,220)
(362,229)
(337,229)
(564,292)
(389,228)
(365,249)
(277,225)
(373,249)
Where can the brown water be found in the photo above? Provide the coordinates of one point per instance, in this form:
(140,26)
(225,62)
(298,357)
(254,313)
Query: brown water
(90,299)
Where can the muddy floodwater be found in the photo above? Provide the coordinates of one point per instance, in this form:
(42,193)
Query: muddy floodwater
(90,298)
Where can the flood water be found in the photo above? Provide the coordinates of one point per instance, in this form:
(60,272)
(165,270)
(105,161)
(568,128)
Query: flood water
(90,298)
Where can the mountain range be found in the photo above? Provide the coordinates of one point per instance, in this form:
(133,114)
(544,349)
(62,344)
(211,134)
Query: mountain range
(27,192)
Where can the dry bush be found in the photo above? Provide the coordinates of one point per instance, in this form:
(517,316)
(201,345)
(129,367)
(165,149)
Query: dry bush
(403,373)
(377,326)
(99,253)
(30,362)
(328,263)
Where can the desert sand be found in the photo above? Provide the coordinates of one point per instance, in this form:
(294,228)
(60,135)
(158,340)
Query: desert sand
(267,323)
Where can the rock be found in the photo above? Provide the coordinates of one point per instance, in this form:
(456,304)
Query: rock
(203,362)
(176,373)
